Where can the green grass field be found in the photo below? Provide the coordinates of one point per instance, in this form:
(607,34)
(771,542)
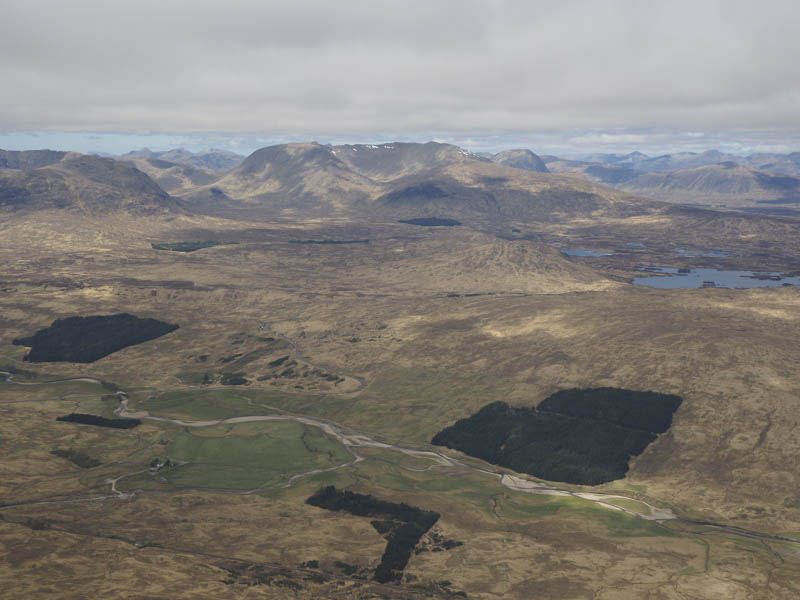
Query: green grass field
(482,493)
(629,504)
(241,457)
(221,403)
(12,353)
(420,402)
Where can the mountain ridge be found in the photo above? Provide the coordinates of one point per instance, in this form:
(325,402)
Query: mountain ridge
(398,180)
(82,182)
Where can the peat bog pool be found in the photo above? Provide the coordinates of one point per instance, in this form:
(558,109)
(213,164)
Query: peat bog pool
(672,278)
(583,252)
(703,253)
(681,252)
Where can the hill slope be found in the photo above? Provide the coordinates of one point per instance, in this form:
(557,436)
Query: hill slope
(44,180)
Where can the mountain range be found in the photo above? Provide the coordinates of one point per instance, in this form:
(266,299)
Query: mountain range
(710,178)
(778,164)
(398,180)
(394,180)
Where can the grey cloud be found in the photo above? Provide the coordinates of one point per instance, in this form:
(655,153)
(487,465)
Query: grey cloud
(313,69)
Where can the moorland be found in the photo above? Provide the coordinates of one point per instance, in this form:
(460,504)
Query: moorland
(349,358)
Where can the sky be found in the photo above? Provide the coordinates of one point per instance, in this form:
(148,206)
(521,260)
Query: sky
(569,77)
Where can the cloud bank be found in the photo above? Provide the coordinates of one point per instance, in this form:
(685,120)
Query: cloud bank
(352,68)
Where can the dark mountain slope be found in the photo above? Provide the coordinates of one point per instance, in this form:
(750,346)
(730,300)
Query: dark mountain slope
(29,159)
(90,184)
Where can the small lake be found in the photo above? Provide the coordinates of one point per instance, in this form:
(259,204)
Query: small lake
(702,252)
(697,278)
(582,252)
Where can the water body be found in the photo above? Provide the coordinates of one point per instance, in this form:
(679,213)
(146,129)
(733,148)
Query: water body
(697,278)
(582,252)
(702,252)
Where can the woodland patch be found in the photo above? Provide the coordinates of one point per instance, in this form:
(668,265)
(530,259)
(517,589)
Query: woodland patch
(581,436)
(402,525)
(84,461)
(85,419)
(87,339)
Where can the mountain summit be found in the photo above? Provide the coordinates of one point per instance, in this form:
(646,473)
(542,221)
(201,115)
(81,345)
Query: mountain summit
(520,159)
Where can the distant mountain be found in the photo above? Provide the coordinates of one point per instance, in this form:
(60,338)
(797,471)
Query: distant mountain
(390,161)
(777,164)
(520,159)
(213,160)
(606,173)
(726,183)
(42,179)
(397,181)
(686,160)
(290,179)
(780,164)
(29,159)
(622,160)
(709,179)
(172,176)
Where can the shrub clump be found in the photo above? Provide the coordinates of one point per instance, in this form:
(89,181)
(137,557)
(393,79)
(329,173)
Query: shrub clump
(79,459)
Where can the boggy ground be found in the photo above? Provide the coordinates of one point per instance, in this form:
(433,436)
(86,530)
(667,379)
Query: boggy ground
(396,320)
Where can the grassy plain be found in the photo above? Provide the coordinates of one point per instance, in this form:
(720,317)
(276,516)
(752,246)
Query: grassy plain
(241,457)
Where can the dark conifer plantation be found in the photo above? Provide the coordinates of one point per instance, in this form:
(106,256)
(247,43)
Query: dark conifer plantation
(583,436)
(402,525)
(86,339)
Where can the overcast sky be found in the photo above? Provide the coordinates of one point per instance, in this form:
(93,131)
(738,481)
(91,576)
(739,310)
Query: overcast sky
(487,74)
